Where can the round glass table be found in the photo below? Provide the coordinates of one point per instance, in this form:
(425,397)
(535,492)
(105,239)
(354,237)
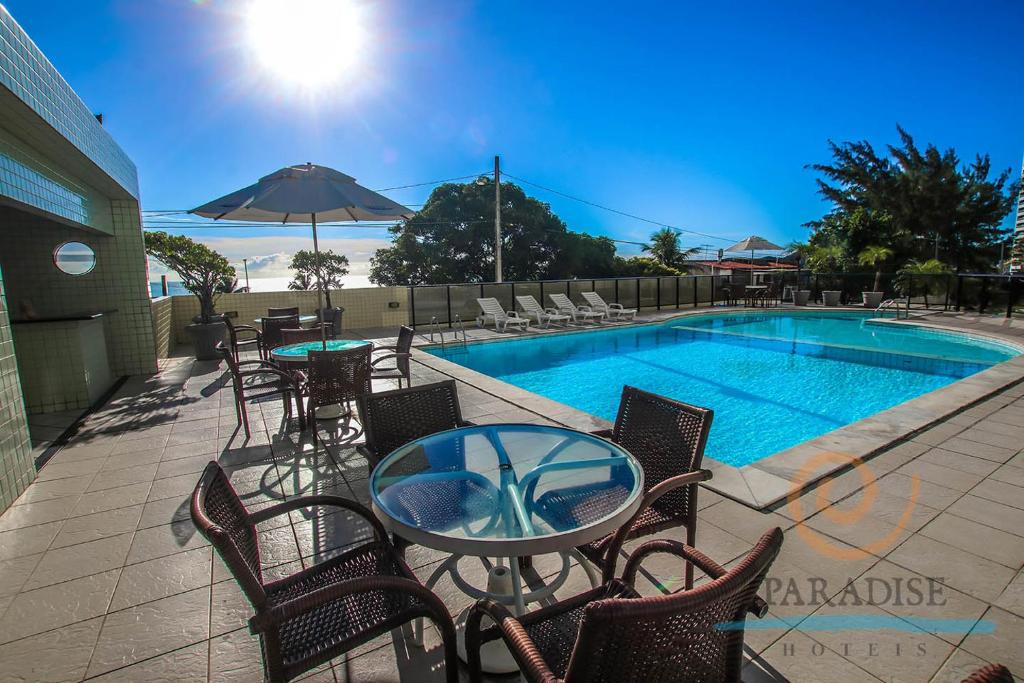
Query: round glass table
(299,353)
(303,320)
(506,491)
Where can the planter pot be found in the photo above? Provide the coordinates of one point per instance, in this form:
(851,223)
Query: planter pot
(801,296)
(872,300)
(830,297)
(205,339)
(332,316)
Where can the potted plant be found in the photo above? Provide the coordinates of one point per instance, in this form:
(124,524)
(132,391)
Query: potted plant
(202,272)
(333,267)
(874,256)
(803,252)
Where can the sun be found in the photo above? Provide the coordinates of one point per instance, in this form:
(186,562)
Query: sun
(308,43)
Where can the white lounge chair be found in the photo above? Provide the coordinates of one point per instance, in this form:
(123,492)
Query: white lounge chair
(565,305)
(543,316)
(612,311)
(491,308)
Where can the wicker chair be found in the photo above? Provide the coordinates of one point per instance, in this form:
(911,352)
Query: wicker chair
(271,333)
(336,377)
(391,419)
(667,437)
(400,352)
(321,612)
(610,634)
(993,673)
(278,312)
(256,379)
(238,343)
(300,335)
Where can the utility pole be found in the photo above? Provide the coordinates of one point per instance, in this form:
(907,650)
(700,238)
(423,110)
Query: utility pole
(497,218)
(245,265)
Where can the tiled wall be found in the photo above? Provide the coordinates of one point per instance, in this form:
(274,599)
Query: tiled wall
(75,381)
(16,467)
(117,282)
(26,72)
(163,316)
(366,307)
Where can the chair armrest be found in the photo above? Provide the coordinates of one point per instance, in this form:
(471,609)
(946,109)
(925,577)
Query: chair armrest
(670,484)
(390,355)
(618,306)
(259,363)
(337,591)
(391,347)
(588,309)
(245,328)
(317,501)
(276,372)
(552,311)
(512,314)
(509,629)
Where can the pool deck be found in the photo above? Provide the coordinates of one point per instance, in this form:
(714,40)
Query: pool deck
(103,577)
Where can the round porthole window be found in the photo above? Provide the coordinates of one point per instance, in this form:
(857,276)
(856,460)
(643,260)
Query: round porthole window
(74,258)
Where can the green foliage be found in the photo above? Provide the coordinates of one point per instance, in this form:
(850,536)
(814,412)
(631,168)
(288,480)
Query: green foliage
(451,239)
(895,198)
(333,267)
(665,248)
(201,269)
(642,266)
(875,256)
(922,276)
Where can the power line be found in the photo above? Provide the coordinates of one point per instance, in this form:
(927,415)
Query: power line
(616,211)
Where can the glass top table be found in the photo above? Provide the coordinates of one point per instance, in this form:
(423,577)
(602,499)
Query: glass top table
(303,320)
(299,353)
(506,490)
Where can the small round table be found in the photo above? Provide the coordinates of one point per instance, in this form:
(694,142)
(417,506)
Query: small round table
(303,320)
(297,356)
(506,491)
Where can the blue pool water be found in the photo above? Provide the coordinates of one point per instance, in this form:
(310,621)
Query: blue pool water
(773,379)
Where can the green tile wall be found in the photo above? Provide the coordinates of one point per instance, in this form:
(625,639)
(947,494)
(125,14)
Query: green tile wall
(16,467)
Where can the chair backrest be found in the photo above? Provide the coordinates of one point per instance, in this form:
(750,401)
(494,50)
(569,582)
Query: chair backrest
(993,673)
(272,327)
(677,637)
(562,302)
(220,516)
(391,419)
(529,304)
(278,312)
(337,376)
(404,347)
(491,306)
(595,300)
(300,335)
(667,437)
(229,359)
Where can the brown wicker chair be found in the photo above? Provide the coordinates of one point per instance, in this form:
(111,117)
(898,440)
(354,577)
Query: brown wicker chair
(667,437)
(611,634)
(270,380)
(391,419)
(238,342)
(300,335)
(400,353)
(336,377)
(321,612)
(271,332)
(993,673)
(278,312)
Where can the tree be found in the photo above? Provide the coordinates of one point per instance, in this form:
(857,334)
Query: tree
(926,273)
(642,266)
(664,247)
(302,282)
(200,268)
(875,256)
(332,268)
(889,199)
(229,284)
(451,239)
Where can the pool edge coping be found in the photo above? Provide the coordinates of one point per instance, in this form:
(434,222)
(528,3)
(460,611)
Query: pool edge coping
(769,483)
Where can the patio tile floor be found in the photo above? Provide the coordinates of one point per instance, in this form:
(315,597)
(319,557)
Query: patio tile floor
(103,577)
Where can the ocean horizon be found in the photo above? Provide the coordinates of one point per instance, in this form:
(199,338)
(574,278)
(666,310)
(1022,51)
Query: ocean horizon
(257,284)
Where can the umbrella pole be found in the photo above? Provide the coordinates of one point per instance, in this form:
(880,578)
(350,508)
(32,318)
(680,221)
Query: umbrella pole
(319,286)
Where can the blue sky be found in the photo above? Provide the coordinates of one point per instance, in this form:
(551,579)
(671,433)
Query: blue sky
(701,115)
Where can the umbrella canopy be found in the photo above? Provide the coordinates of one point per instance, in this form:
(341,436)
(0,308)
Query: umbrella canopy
(305,194)
(754,243)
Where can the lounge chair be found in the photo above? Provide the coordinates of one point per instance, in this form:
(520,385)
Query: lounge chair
(543,316)
(611,311)
(585,313)
(492,309)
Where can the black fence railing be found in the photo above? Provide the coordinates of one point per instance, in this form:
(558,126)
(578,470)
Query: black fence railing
(978,292)
(447,303)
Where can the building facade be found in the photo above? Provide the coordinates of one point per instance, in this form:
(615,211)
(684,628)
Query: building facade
(1017,252)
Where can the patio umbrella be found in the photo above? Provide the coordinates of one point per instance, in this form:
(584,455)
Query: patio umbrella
(752,244)
(301,194)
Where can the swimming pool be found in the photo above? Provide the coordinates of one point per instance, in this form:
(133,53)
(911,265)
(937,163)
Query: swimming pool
(774,379)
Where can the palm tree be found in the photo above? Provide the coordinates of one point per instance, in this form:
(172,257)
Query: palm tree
(303,281)
(924,271)
(874,256)
(664,247)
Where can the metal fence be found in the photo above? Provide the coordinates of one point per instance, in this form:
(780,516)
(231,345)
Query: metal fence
(978,292)
(448,303)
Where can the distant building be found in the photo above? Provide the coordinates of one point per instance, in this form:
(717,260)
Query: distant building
(1017,251)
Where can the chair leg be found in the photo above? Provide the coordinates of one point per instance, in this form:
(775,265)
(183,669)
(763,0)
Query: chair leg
(691,539)
(245,418)
(451,650)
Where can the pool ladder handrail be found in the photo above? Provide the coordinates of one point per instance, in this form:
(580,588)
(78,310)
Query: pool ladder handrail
(435,326)
(894,303)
